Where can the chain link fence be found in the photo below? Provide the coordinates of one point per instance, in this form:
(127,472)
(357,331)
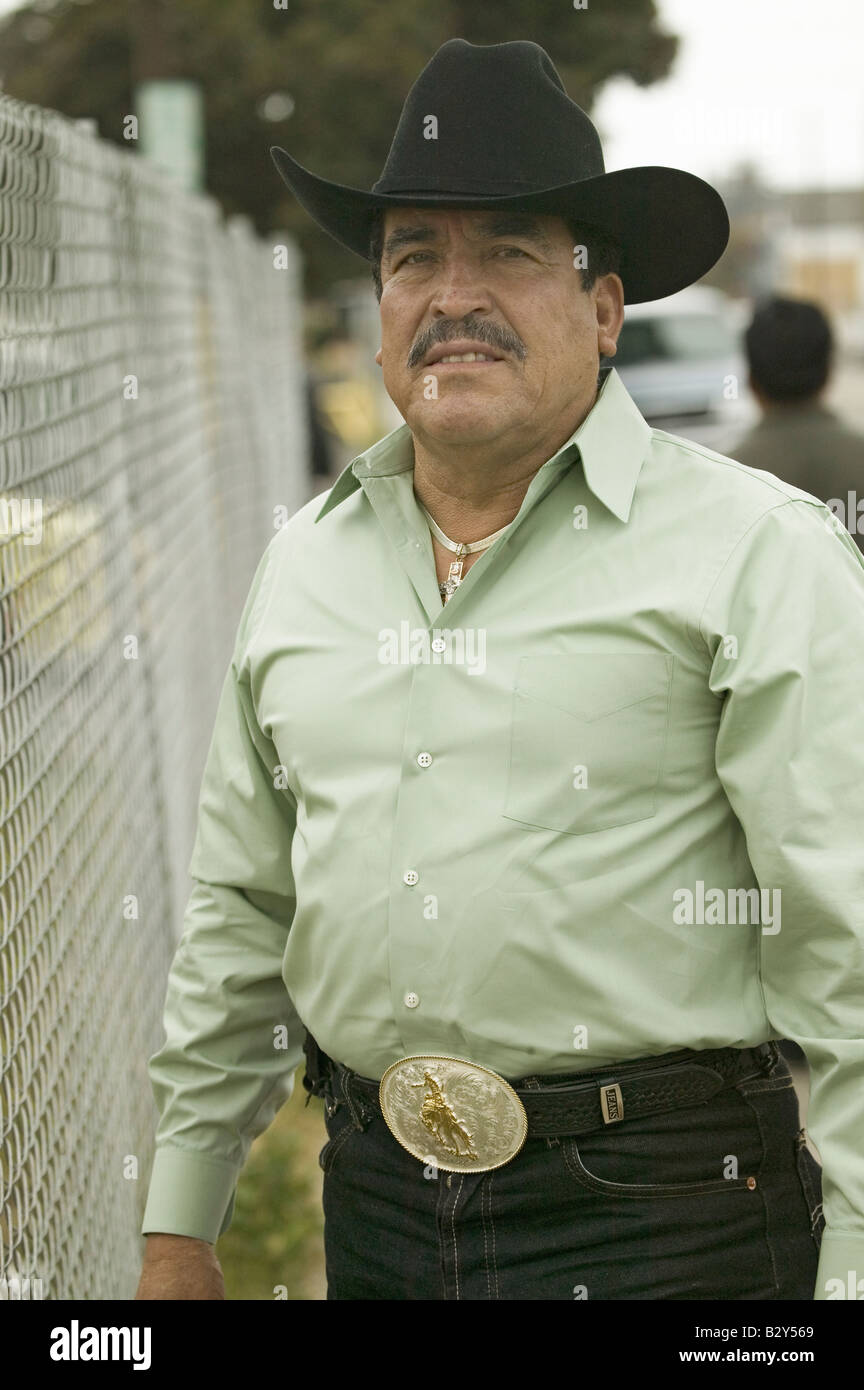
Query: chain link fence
(151,420)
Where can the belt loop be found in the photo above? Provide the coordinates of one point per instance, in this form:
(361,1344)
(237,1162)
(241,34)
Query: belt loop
(358,1110)
(317,1078)
(532,1083)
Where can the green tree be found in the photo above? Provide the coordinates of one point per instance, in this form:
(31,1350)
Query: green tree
(347,66)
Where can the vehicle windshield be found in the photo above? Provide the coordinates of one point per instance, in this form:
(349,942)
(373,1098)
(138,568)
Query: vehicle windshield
(669,337)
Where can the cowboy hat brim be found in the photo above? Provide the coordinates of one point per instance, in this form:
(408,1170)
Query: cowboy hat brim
(672,226)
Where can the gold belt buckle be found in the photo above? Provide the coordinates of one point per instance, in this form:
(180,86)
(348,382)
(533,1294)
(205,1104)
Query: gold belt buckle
(453,1113)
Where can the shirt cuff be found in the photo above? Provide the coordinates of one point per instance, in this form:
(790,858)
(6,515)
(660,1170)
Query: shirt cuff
(840,1272)
(190,1194)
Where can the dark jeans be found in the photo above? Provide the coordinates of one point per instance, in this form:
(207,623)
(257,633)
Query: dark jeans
(716,1201)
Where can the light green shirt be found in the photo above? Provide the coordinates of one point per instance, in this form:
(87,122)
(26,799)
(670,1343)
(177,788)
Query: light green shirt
(531,828)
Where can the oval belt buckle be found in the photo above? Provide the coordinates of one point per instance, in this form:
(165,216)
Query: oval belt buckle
(453,1113)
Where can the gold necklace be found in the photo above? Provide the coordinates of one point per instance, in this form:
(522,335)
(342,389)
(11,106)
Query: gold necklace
(460,548)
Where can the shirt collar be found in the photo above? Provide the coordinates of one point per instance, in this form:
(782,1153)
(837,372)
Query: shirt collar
(612,442)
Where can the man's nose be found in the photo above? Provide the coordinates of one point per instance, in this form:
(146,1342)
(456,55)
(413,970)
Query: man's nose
(460,288)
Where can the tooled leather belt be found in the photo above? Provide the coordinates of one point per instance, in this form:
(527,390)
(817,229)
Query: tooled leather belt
(580,1103)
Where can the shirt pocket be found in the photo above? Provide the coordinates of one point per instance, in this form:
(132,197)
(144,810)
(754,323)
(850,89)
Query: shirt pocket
(587,739)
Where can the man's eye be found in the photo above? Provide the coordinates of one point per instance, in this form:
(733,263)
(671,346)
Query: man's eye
(406,259)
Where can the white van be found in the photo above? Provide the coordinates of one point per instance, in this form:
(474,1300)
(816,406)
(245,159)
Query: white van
(682,360)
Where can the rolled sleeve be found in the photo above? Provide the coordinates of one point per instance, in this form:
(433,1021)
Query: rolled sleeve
(785,626)
(233,1039)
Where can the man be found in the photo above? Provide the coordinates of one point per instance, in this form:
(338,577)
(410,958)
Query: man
(790,349)
(536,847)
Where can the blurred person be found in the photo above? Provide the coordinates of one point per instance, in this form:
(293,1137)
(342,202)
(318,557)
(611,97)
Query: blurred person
(790,350)
(531,815)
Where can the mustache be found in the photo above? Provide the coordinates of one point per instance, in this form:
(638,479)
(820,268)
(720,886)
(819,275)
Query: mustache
(476,329)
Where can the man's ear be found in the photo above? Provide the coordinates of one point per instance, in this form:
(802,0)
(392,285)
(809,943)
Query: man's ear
(378,357)
(609,303)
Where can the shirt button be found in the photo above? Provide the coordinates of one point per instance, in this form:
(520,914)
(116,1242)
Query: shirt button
(411,1000)
(424,759)
(438,644)
(410,876)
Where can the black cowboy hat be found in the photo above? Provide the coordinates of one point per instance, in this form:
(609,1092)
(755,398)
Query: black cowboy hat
(505,134)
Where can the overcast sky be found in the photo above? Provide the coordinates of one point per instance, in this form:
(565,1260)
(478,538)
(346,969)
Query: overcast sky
(778,82)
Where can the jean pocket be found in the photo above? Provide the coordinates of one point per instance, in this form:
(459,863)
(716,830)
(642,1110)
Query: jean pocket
(690,1152)
(340,1127)
(810,1177)
(587,739)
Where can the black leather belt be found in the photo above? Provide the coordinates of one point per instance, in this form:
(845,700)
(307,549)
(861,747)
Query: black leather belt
(579,1103)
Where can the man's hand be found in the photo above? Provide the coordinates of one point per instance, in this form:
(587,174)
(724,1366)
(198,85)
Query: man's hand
(179,1267)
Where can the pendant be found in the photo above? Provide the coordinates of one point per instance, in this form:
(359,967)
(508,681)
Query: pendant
(453,580)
